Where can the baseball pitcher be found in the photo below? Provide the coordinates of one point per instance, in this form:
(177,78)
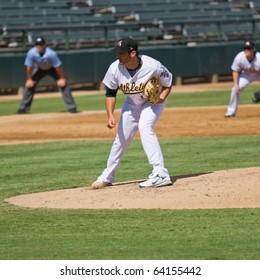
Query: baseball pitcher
(137,76)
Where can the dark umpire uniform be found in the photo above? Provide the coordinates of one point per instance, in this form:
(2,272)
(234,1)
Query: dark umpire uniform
(41,61)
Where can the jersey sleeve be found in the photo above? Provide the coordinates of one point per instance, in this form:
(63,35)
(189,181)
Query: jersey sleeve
(165,76)
(56,62)
(236,63)
(29,59)
(110,80)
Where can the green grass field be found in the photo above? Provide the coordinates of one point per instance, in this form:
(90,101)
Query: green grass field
(51,234)
(96,102)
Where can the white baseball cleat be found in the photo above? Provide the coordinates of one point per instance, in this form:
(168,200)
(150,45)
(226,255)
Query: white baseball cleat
(99,184)
(229,115)
(156,181)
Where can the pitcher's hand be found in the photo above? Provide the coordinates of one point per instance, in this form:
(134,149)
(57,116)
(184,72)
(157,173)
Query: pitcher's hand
(111,123)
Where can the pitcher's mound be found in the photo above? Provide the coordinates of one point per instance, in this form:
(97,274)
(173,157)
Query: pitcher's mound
(238,188)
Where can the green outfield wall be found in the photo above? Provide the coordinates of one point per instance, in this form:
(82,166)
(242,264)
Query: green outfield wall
(89,66)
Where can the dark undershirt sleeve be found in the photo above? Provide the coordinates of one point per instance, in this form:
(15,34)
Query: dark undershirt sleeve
(111,92)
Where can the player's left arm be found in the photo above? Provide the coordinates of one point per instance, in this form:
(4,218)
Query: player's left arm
(57,64)
(164,93)
(165,80)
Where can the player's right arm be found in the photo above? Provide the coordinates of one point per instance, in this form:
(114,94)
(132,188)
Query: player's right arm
(28,63)
(111,82)
(110,107)
(237,67)
(235,76)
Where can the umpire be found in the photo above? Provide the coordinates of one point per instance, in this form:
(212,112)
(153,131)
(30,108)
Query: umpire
(41,61)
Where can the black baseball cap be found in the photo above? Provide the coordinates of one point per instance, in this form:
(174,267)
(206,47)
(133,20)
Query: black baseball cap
(126,45)
(249,44)
(39,41)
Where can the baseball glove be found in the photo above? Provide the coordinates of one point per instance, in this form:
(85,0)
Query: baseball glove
(256,97)
(151,91)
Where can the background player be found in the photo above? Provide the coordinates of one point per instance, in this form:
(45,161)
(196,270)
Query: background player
(246,69)
(129,73)
(41,61)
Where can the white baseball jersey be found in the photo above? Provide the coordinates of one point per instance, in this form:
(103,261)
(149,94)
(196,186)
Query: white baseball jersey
(241,63)
(137,113)
(248,72)
(117,76)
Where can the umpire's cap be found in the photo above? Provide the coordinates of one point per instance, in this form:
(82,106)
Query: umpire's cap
(249,44)
(39,41)
(126,45)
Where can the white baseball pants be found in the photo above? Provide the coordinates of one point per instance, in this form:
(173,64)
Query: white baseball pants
(136,117)
(244,80)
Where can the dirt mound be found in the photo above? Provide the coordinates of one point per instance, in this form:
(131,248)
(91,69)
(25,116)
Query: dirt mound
(237,188)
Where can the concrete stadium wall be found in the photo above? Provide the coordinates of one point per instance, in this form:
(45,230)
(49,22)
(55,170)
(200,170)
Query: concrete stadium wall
(89,66)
